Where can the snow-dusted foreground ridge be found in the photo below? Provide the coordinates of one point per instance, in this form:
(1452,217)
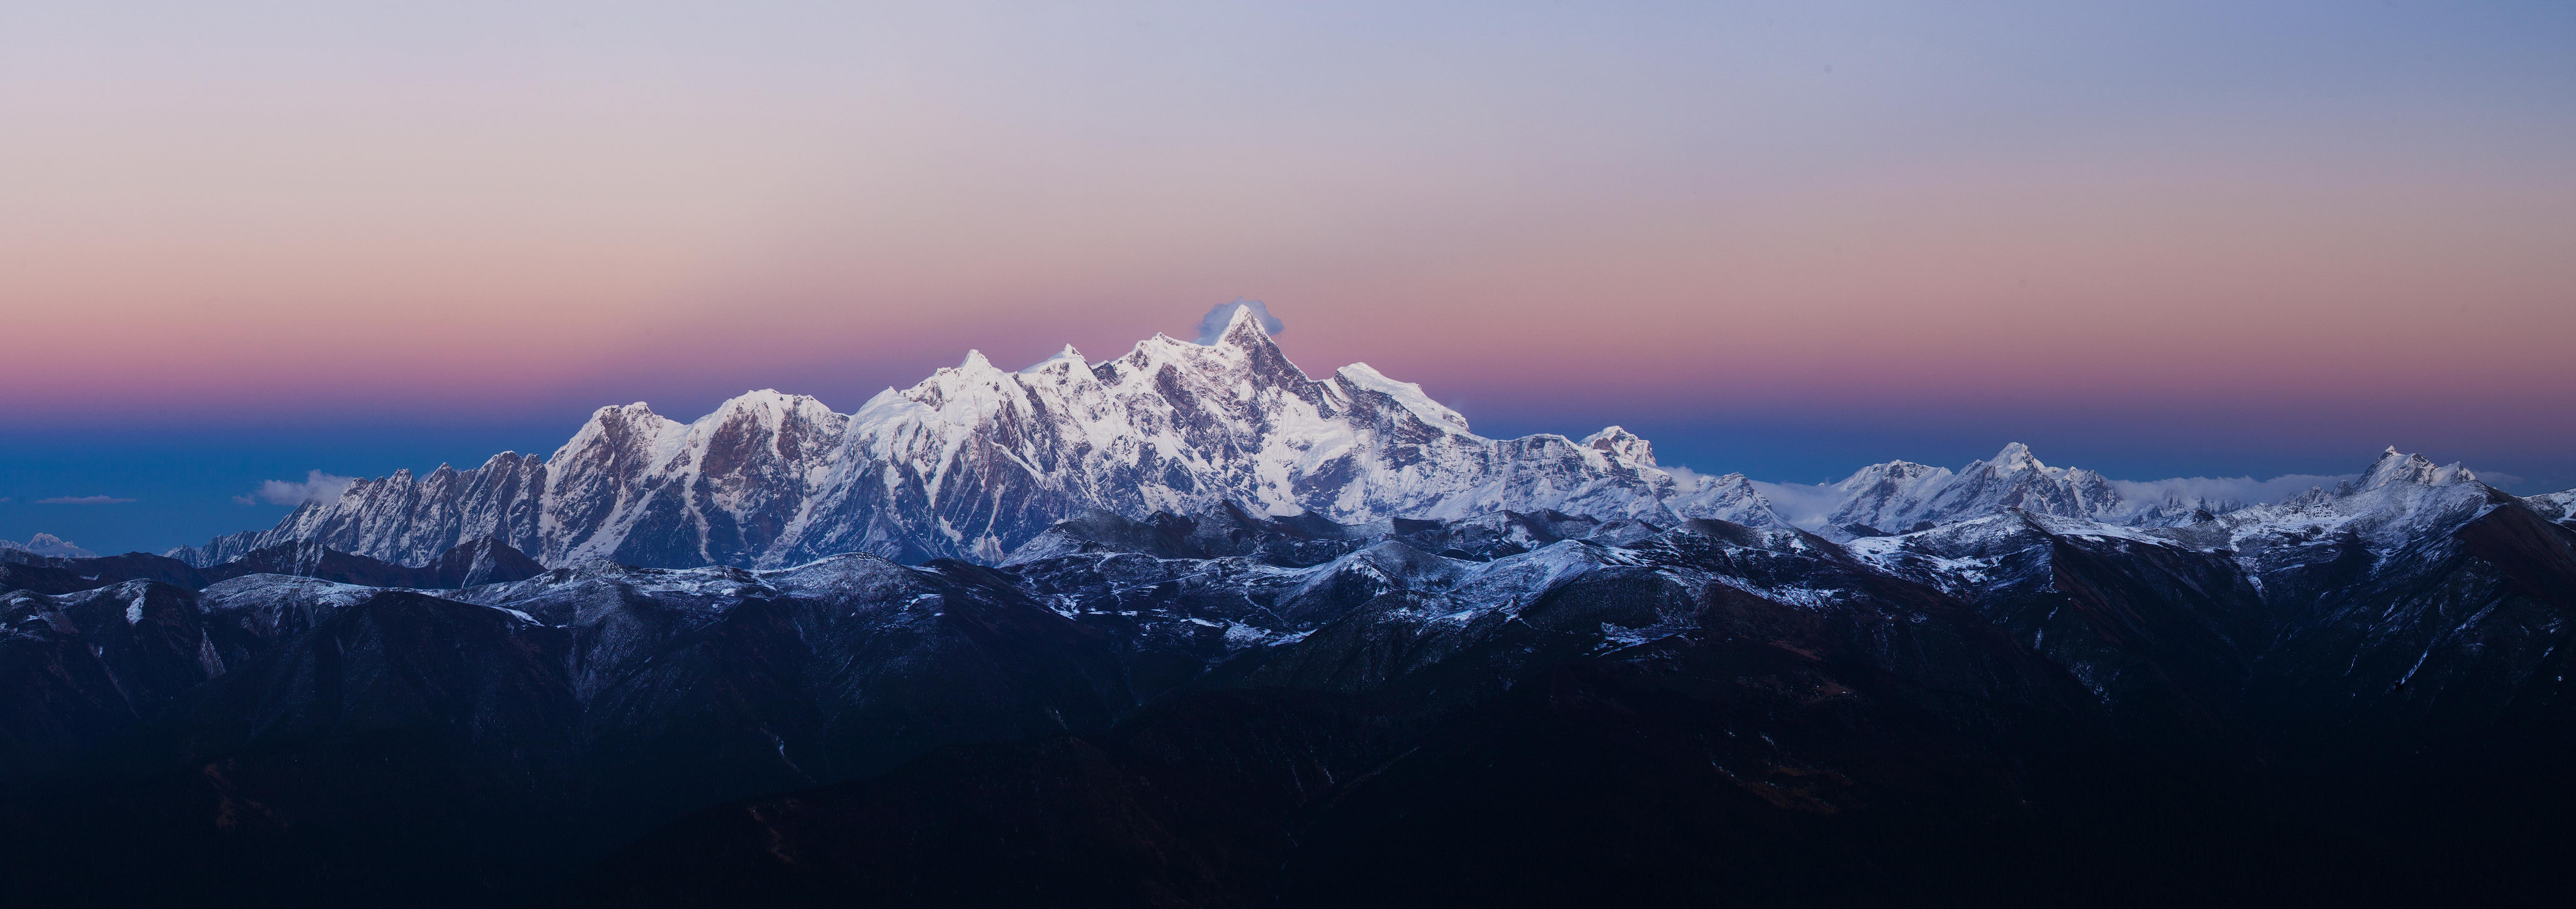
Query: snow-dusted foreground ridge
(976,460)
(2047,701)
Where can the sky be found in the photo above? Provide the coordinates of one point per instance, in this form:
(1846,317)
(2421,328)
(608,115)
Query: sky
(242,242)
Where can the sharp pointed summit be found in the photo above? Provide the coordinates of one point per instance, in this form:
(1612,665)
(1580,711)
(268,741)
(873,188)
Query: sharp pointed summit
(1068,357)
(2395,466)
(2016,456)
(1620,441)
(1245,329)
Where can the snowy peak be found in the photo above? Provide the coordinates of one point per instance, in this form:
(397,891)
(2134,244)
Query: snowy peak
(1892,475)
(2313,497)
(628,434)
(1065,361)
(1903,497)
(46,544)
(791,419)
(762,430)
(2394,466)
(2015,479)
(1621,442)
(2398,499)
(1887,498)
(1245,337)
(1728,497)
(1359,378)
(1244,330)
(2403,498)
(1243,353)
(967,392)
(2013,458)
(2555,506)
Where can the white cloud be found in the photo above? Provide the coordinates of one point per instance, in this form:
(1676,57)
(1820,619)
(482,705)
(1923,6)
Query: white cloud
(83,500)
(316,486)
(2503,481)
(1801,504)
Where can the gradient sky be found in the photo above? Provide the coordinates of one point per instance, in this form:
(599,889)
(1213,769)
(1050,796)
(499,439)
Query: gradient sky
(240,243)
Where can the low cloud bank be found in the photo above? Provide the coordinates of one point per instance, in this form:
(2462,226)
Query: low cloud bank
(1801,504)
(2215,490)
(2504,481)
(316,486)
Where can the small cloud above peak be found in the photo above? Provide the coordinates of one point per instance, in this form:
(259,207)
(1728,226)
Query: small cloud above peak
(83,500)
(316,486)
(1212,326)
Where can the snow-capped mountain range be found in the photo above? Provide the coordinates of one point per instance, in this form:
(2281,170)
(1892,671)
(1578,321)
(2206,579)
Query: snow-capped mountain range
(2054,645)
(975,460)
(1901,496)
(46,544)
